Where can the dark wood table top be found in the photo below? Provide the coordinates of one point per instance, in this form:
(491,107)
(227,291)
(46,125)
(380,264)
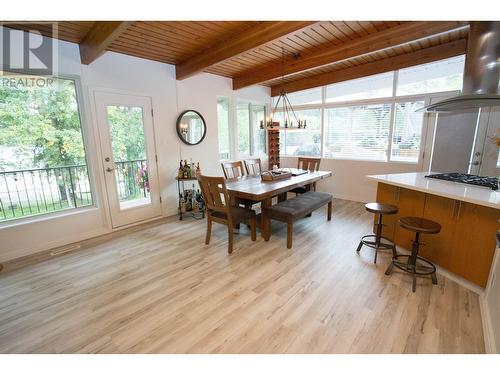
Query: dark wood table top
(252,187)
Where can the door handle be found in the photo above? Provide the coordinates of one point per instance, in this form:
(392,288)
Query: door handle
(108,169)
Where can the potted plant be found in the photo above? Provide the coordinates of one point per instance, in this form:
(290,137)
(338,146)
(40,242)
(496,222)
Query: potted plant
(143,180)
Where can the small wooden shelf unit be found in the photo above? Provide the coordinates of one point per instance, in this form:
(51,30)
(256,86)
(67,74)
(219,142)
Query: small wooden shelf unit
(273,147)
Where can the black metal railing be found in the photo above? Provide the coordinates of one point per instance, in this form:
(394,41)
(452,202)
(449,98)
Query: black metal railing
(43,190)
(130,179)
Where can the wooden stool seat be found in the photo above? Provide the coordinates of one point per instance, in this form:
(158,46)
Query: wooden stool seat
(414,264)
(381,208)
(419,224)
(376,241)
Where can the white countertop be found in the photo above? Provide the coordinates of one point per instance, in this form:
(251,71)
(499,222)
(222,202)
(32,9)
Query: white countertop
(462,192)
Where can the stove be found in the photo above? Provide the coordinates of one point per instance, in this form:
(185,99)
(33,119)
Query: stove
(470,179)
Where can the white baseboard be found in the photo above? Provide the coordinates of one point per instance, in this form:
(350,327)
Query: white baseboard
(453,277)
(489,337)
(461,281)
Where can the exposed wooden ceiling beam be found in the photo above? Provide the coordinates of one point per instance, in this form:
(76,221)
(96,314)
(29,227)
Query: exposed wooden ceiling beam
(422,56)
(381,40)
(98,39)
(254,37)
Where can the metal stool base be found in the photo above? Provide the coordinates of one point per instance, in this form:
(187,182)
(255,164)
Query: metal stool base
(415,269)
(389,245)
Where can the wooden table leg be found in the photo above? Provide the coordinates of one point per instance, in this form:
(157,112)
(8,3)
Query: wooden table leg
(264,204)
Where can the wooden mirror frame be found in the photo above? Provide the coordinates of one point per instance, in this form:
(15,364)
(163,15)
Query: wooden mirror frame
(178,123)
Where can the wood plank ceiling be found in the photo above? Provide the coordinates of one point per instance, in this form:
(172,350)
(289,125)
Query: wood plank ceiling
(250,52)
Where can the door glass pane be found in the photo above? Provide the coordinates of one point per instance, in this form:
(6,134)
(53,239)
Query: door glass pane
(128,144)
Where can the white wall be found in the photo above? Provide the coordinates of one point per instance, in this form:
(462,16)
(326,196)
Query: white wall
(126,74)
(200,93)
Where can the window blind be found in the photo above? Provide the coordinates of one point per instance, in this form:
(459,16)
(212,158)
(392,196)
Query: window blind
(407,131)
(305,142)
(358,132)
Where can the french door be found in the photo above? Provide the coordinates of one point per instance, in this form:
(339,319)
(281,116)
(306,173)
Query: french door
(126,135)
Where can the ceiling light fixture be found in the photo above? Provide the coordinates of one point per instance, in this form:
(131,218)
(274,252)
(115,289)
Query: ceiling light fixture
(286,107)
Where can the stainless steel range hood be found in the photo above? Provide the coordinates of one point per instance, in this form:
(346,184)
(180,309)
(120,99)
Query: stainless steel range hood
(481,73)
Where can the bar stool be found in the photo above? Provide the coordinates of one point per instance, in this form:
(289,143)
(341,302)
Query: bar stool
(416,265)
(375,240)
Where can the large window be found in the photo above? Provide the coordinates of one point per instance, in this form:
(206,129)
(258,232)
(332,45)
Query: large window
(243,131)
(377,86)
(407,131)
(42,157)
(444,75)
(370,118)
(223,128)
(251,139)
(258,114)
(303,142)
(359,132)
(311,96)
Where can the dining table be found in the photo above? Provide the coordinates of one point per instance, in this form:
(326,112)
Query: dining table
(255,189)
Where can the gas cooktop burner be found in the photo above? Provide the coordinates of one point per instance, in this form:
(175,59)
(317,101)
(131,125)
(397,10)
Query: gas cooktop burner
(483,181)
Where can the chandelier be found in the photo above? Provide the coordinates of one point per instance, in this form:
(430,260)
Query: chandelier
(287,112)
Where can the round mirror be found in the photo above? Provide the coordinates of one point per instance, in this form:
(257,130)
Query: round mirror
(191,127)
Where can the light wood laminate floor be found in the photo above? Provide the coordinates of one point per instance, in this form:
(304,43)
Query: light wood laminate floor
(162,290)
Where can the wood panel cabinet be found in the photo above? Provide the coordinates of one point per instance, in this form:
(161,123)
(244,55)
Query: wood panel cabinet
(443,248)
(466,243)
(409,203)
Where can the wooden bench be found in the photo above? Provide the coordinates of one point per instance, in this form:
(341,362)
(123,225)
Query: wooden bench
(293,209)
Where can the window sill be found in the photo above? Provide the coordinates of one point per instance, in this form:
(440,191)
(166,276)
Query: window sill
(46,217)
(355,160)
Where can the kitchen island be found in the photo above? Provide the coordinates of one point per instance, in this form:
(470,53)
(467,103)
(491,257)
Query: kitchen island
(468,216)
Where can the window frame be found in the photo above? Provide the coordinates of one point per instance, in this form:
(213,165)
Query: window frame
(91,161)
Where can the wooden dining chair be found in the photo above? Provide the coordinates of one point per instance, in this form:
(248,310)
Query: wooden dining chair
(233,169)
(253,167)
(308,164)
(219,209)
